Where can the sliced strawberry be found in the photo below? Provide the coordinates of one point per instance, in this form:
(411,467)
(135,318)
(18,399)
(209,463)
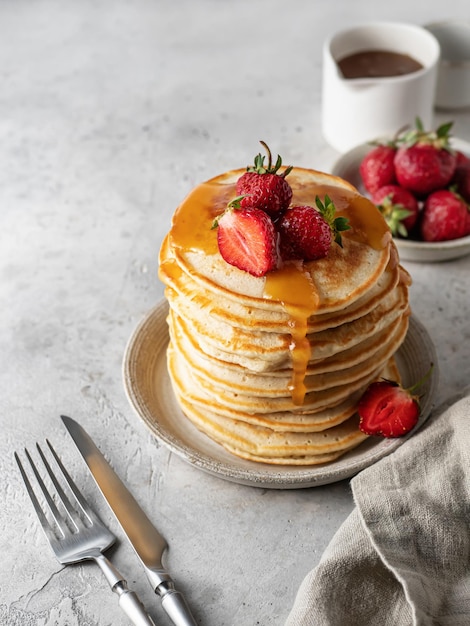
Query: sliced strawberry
(248,240)
(307,233)
(399,208)
(263,187)
(444,216)
(387,409)
(377,168)
(425,161)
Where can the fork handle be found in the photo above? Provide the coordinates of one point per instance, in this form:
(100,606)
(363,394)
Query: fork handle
(128,600)
(132,606)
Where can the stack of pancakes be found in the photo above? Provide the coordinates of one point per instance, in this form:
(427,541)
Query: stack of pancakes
(272,368)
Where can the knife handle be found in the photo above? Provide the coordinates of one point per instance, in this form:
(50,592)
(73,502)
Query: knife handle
(175,605)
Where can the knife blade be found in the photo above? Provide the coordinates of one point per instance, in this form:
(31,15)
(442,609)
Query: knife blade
(147,542)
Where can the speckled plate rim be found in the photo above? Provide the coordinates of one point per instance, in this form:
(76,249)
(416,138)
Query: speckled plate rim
(148,388)
(347,167)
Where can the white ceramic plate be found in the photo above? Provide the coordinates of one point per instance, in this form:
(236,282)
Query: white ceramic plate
(347,167)
(148,388)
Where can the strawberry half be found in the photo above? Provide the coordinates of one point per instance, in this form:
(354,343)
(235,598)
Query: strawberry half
(387,409)
(263,187)
(247,239)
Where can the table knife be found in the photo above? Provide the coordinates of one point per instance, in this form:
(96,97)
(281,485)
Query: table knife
(142,534)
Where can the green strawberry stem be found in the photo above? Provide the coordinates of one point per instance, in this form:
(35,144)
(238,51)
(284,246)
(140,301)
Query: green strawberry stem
(394,215)
(395,222)
(260,168)
(337,224)
(412,389)
(422,380)
(232,205)
(439,138)
(270,161)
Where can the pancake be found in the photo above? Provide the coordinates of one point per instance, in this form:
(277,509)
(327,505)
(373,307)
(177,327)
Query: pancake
(309,418)
(267,444)
(251,318)
(323,375)
(183,377)
(261,351)
(273,367)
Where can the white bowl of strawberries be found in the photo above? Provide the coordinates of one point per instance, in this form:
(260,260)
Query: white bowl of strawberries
(420,181)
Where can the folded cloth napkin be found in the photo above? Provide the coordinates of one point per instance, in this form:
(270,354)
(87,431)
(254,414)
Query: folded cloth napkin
(403,555)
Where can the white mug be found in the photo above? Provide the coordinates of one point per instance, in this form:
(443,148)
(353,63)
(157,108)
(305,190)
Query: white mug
(357,110)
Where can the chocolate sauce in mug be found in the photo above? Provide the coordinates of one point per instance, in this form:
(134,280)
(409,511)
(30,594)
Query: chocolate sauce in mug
(377,64)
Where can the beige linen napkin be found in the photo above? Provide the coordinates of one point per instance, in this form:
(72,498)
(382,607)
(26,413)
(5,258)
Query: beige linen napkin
(403,555)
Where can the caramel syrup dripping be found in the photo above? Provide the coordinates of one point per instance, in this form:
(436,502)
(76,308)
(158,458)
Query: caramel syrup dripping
(292,284)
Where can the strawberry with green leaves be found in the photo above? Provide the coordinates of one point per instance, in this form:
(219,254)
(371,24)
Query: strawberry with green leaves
(258,231)
(307,232)
(263,187)
(399,208)
(425,161)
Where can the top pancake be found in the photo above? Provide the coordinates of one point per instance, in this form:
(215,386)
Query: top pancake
(332,283)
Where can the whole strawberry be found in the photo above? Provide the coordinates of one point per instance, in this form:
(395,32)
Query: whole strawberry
(444,216)
(247,239)
(377,167)
(462,158)
(399,208)
(263,187)
(307,232)
(461,178)
(387,409)
(425,161)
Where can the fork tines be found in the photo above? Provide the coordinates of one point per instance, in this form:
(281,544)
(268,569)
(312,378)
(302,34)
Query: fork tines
(66,518)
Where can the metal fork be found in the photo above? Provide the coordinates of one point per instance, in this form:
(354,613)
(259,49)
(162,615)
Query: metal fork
(77,533)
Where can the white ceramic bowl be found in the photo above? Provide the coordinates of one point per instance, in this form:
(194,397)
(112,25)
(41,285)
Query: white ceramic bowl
(347,167)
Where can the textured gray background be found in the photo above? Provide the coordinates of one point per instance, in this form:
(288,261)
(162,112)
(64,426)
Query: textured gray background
(109,113)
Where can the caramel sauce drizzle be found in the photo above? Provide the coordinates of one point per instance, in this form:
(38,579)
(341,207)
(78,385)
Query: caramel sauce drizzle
(292,284)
